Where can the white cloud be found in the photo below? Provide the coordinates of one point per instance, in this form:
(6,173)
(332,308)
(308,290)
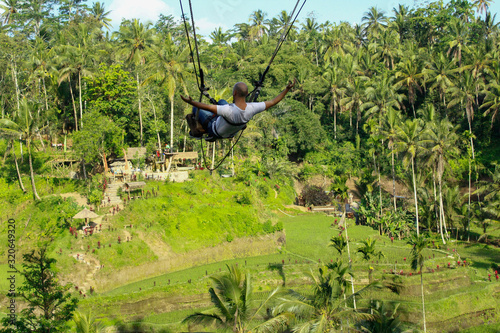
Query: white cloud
(205,27)
(145,10)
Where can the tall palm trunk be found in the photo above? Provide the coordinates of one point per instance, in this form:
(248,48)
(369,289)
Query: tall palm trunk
(74,106)
(349,255)
(156,123)
(393,179)
(80,98)
(415,194)
(16,84)
(423,300)
(172,122)
(21,185)
(468,204)
(441,206)
(140,107)
(32,175)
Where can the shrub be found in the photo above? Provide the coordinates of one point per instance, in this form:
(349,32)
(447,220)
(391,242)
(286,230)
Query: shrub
(315,195)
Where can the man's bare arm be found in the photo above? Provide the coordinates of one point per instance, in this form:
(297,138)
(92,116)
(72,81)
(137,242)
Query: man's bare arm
(209,107)
(280,96)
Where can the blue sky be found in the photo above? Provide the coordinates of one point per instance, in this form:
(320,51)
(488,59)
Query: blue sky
(210,14)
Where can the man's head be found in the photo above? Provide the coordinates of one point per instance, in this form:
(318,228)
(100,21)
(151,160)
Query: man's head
(240,90)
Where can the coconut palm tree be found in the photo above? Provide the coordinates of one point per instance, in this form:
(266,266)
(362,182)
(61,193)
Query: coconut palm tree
(169,71)
(100,15)
(354,98)
(492,91)
(409,143)
(259,25)
(374,20)
(233,300)
(440,73)
(25,129)
(441,145)
(334,81)
(409,75)
(418,244)
(389,132)
(464,94)
(135,39)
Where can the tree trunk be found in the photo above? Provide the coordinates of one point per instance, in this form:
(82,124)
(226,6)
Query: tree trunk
(45,93)
(74,106)
(213,156)
(349,255)
(32,176)
(140,109)
(14,75)
(415,195)
(80,97)
(468,204)
(84,169)
(21,185)
(156,123)
(172,122)
(441,206)
(393,179)
(423,300)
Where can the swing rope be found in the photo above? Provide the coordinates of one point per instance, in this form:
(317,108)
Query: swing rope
(254,94)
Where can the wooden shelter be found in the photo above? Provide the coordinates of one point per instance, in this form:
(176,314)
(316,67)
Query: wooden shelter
(86,214)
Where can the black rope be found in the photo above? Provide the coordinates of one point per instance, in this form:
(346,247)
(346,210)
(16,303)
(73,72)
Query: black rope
(189,43)
(255,93)
(224,158)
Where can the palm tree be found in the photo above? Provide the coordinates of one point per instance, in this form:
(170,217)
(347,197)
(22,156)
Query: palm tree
(419,243)
(409,143)
(10,8)
(259,24)
(220,37)
(135,38)
(440,73)
(368,252)
(410,76)
(374,20)
(85,323)
(354,97)
(169,70)
(339,243)
(232,297)
(464,93)
(459,36)
(389,132)
(334,80)
(100,15)
(482,5)
(24,129)
(492,91)
(441,142)
(76,58)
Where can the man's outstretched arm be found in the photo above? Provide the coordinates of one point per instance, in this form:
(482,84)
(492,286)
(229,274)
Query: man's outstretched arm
(209,107)
(280,96)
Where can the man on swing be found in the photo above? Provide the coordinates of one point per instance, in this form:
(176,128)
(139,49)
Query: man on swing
(225,120)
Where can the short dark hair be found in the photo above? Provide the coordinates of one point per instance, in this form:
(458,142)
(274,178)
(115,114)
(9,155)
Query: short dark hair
(240,89)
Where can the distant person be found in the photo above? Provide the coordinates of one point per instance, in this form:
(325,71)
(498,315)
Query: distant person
(225,120)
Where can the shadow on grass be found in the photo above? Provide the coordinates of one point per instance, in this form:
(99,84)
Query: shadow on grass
(138,326)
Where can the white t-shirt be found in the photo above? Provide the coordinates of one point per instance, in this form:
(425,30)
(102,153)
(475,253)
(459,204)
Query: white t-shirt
(236,116)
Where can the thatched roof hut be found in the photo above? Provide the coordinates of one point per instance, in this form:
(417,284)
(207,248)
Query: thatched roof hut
(131,186)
